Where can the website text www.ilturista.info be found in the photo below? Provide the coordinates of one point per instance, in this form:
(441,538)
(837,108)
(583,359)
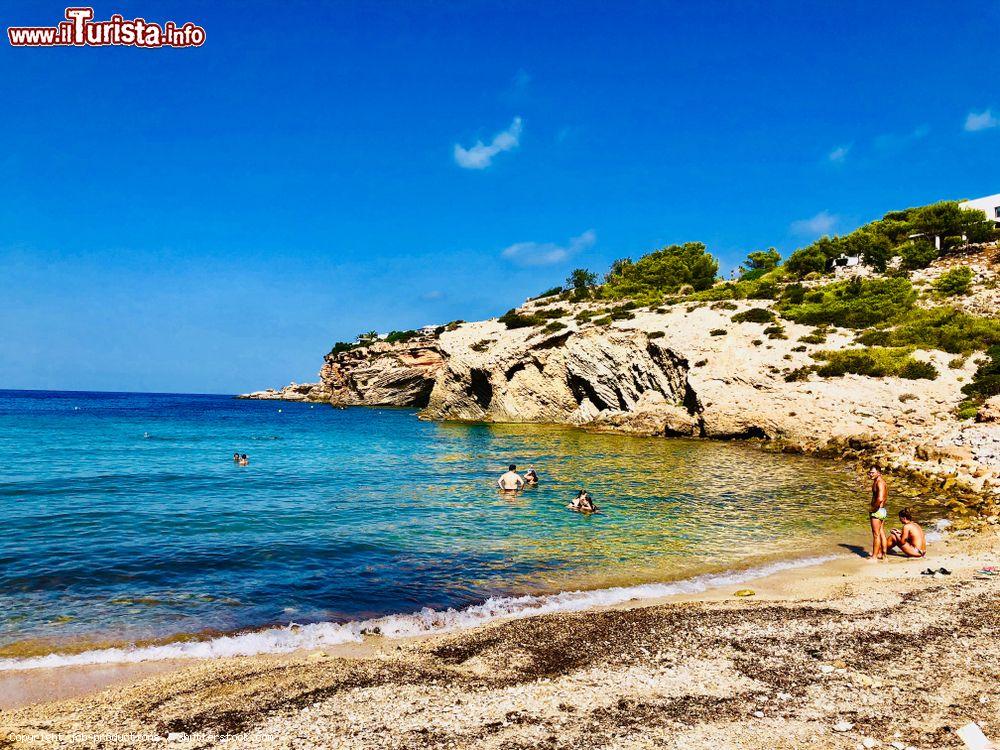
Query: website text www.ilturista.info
(81,30)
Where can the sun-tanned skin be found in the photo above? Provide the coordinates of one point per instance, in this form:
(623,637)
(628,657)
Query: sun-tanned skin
(511,481)
(880,496)
(909,540)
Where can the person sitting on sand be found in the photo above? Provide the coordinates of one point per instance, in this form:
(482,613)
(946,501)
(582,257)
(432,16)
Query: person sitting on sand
(877,513)
(244,461)
(909,540)
(511,481)
(531,477)
(583,502)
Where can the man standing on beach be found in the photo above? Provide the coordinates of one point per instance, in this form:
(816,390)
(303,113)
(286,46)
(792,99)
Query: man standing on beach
(510,481)
(877,513)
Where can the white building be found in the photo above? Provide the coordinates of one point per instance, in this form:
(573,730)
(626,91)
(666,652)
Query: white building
(990,205)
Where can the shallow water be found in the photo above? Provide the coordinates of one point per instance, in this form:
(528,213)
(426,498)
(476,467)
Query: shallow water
(126,519)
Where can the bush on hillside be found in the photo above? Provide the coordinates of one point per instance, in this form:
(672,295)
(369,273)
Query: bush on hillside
(343,346)
(875,362)
(513,319)
(986,382)
(954,282)
(856,303)
(759,263)
(395,337)
(754,315)
(664,271)
(917,254)
(945,328)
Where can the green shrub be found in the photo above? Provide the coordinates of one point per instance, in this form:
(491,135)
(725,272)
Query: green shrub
(918,253)
(874,362)
(656,334)
(343,346)
(813,338)
(754,315)
(606,320)
(798,348)
(855,303)
(664,270)
(945,328)
(759,263)
(986,382)
(718,332)
(954,282)
(724,305)
(394,337)
(550,313)
(793,294)
(554,326)
(514,319)
(775,332)
(554,291)
(799,374)
(584,315)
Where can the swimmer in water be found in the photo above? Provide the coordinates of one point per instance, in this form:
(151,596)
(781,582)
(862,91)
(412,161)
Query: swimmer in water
(583,503)
(511,481)
(531,477)
(244,461)
(236,458)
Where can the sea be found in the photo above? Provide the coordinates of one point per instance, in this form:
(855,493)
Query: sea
(130,534)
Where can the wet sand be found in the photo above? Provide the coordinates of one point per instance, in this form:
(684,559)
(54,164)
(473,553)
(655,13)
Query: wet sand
(840,655)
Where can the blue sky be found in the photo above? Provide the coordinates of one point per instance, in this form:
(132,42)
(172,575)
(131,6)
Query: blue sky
(213,219)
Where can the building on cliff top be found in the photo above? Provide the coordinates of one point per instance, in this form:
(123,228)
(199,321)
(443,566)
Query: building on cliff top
(990,205)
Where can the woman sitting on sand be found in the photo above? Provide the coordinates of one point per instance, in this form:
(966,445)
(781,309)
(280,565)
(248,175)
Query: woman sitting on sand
(583,503)
(530,477)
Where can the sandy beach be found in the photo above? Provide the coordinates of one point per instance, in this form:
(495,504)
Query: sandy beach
(845,654)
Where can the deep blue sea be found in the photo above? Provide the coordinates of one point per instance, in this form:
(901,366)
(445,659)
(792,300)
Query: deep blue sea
(125,518)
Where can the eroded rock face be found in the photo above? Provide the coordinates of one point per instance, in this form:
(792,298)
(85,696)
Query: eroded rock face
(604,377)
(382,374)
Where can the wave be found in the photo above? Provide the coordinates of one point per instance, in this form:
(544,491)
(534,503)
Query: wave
(323,634)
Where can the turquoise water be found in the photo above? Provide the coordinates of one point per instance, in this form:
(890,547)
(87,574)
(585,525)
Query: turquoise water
(126,519)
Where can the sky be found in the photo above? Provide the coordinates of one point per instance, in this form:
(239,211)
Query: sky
(213,219)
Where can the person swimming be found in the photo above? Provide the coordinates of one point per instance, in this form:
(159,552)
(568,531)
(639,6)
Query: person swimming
(244,461)
(236,458)
(583,503)
(531,477)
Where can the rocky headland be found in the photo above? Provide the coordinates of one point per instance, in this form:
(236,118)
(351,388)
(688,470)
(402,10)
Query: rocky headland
(686,367)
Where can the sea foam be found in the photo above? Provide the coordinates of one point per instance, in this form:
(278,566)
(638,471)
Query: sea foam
(318,635)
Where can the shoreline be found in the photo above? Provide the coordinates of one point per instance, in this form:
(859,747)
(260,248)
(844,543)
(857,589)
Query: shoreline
(513,665)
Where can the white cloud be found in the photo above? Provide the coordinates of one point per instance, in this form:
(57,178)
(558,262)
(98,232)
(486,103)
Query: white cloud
(433,294)
(839,154)
(547,253)
(481,155)
(821,223)
(981,121)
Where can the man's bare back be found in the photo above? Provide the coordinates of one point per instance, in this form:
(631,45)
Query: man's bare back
(511,480)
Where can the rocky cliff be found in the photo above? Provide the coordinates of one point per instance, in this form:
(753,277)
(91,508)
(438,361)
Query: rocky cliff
(379,374)
(685,369)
